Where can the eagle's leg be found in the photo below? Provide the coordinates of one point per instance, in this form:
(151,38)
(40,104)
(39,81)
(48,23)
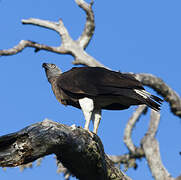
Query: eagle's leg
(87,106)
(96,119)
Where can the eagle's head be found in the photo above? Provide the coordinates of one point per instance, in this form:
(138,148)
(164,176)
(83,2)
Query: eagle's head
(51,70)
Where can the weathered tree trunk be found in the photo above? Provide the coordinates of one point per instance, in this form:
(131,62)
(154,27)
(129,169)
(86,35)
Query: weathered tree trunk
(80,151)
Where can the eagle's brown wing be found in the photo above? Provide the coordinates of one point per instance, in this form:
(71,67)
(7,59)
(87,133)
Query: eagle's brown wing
(94,81)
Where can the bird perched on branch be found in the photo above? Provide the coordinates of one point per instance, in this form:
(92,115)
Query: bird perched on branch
(94,88)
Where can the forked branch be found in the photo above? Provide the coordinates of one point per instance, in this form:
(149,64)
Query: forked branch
(68,45)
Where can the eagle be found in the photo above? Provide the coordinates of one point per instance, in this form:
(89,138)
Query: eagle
(92,89)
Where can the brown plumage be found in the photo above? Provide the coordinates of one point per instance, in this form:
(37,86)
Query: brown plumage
(95,88)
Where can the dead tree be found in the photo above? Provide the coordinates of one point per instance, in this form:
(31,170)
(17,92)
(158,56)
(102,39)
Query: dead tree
(74,144)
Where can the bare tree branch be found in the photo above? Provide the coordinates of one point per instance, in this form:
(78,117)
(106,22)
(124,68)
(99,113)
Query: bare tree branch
(44,23)
(152,151)
(25,43)
(31,143)
(129,160)
(88,32)
(85,151)
(129,128)
(58,27)
(68,46)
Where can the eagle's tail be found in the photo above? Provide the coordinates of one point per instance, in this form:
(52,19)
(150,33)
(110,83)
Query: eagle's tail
(152,101)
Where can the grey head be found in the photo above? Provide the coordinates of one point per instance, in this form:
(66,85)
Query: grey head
(52,71)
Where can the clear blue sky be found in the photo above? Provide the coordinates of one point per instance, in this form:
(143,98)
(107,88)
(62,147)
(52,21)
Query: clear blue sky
(130,36)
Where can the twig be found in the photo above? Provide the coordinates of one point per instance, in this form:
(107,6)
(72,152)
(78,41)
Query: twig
(25,43)
(129,160)
(62,169)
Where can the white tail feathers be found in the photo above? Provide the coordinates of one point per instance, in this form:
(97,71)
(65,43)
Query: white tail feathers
(143,93)
(150,100)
